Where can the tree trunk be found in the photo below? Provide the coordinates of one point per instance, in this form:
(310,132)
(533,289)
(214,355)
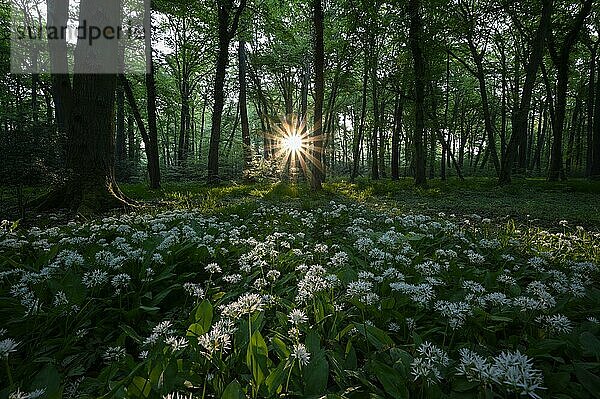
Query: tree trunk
(58,15)
(590,107)
(317,168)
(487,115)
(130,138)
(363,112)
(595,167)
(415,34)
(183,124)
(397,132)
(572,133)
(120,139)
(152,151)
(244,107)
(90,186)
(560,60)
(519,128)
(226,33)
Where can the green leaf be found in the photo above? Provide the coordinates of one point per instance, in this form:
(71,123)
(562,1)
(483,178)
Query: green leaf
(204,315)
(256,358)
(280,348)
(379,338)
(150,309)
(393,382)
(590,343)
(195,330)
(130,332)
(48,379)
(163,294)
(501,319)
(233,391)
(276,379)
(402,361)
(351,361)
(590,381)
(316,372)
(462,385)
(140,387)
(387,303)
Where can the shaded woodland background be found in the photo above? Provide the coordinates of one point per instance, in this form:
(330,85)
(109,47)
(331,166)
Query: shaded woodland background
(410,88)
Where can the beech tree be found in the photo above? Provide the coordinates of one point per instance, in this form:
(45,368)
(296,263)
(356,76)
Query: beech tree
(228,21)
(89,109)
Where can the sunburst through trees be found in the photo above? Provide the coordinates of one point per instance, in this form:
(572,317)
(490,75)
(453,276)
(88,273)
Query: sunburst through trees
(294,147)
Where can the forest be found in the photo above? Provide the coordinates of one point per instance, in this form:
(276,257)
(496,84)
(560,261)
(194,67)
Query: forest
(312,199)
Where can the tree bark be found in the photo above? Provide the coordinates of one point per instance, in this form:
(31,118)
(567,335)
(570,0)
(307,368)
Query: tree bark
(317,167)
(152,151)
(415,40)
(595,167)
(90,186)
(120,139)
(358,138)
(572,133)
(560,59)
(519,129)
(397,132)
(226,33)
(247,146)
(590,107)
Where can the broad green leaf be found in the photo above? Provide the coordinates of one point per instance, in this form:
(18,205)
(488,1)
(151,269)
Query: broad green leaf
(256,358)
(590,381)
(150,309)
(280,348)
(204,315)
(48,379)
(590,343)
(378,338)
(316,372)
(140,387)
(233,391)
(276,379)
(393,382)
(131,333)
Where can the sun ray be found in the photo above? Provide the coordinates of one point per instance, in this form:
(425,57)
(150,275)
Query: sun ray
(294,146)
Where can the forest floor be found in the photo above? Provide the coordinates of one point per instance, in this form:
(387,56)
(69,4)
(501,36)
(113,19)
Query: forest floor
(531,201)
(376,288)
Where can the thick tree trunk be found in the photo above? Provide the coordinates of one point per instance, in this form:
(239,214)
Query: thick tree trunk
(130,138)
(572,133)
(120,135)
(90,186)
(415,40)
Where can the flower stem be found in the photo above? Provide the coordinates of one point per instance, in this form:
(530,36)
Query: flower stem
(10,378)
(287,383)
